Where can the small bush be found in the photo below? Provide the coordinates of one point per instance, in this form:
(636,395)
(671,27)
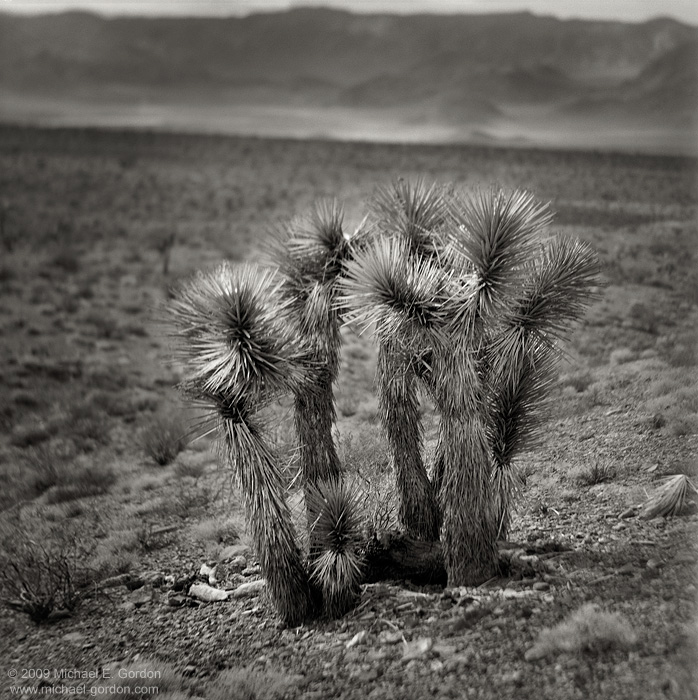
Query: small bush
(368,464)
(82,482)
(588,629)
(40,572)
(164,438)
(596,473)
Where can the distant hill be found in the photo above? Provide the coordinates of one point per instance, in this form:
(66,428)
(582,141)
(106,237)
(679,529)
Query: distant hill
(458,75)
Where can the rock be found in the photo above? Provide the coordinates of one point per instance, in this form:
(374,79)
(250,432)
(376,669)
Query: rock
(535,653)
(654,564)
(418,649)
(233,551)
(208,573)
(207,593)
(74,637)
(389,637)
(176,600)
(627,570)
(358,638)
(445,650)
(115,581)
(249,589)
(628,513)
(141,596)
(237,563)
(541,586)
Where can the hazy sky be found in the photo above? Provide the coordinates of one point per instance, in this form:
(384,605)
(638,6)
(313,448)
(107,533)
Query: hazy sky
(628,10)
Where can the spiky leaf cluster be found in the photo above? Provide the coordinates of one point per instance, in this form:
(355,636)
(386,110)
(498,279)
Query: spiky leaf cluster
(236,347)
(338,568)
(413,212)
(404,298)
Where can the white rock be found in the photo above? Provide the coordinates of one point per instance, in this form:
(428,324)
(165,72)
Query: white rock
(250,588)
(208,572)
(357,639)
(417,649)
(208,594)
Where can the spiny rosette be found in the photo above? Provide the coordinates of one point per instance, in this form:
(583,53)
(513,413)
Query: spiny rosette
(236,341)
(404,298)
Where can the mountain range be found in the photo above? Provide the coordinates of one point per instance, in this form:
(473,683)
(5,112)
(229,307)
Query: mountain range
(509,78)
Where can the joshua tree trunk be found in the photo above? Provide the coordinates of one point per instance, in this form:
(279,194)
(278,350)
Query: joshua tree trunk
(270,520)
(397,391)
(468,533)
(314,417)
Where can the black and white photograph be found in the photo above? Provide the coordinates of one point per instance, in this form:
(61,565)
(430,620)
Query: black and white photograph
(348,349)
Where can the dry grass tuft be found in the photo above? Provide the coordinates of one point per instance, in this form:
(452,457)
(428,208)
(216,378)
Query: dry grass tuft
(588,629)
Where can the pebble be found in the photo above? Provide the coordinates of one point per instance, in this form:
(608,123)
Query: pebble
(73,637)
(541,586)
(250,588)
(654,564)
(358,638)
(417,649)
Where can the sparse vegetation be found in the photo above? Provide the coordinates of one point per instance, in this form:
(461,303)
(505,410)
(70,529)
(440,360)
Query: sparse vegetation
(626,397)
(164,438)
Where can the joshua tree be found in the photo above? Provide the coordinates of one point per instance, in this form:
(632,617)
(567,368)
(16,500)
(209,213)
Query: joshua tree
(310,255)
(239,357)
(480,319)
(413,216)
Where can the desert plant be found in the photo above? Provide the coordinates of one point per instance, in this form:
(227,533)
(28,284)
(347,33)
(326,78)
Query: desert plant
(479,319)
(164,438)
(240,355)
(40,573)
(310,254)
(337,567)
(412,214)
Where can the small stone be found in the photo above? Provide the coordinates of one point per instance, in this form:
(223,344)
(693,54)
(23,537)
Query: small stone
(418,649)
(512,677)
(389,637)
(250,588)
(176,600)
(116,581)
(541,586)
(628,512)
(238,563)
(654,564)
(207,593)
(233,551)
(73,637)
(619,526)
(358,638)
(627,570)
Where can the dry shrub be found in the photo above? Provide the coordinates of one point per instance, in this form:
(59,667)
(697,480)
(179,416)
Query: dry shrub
(367,464)
(164,438)
(588,629)
(596,473)
(44,571)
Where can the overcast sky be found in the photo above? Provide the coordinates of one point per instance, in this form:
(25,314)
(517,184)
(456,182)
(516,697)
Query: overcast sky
(627,10)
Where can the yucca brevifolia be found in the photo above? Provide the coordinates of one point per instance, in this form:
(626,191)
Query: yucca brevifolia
(310,254)
(522,353)
(411,213)
(338,568)
(404,299)
(240,356)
